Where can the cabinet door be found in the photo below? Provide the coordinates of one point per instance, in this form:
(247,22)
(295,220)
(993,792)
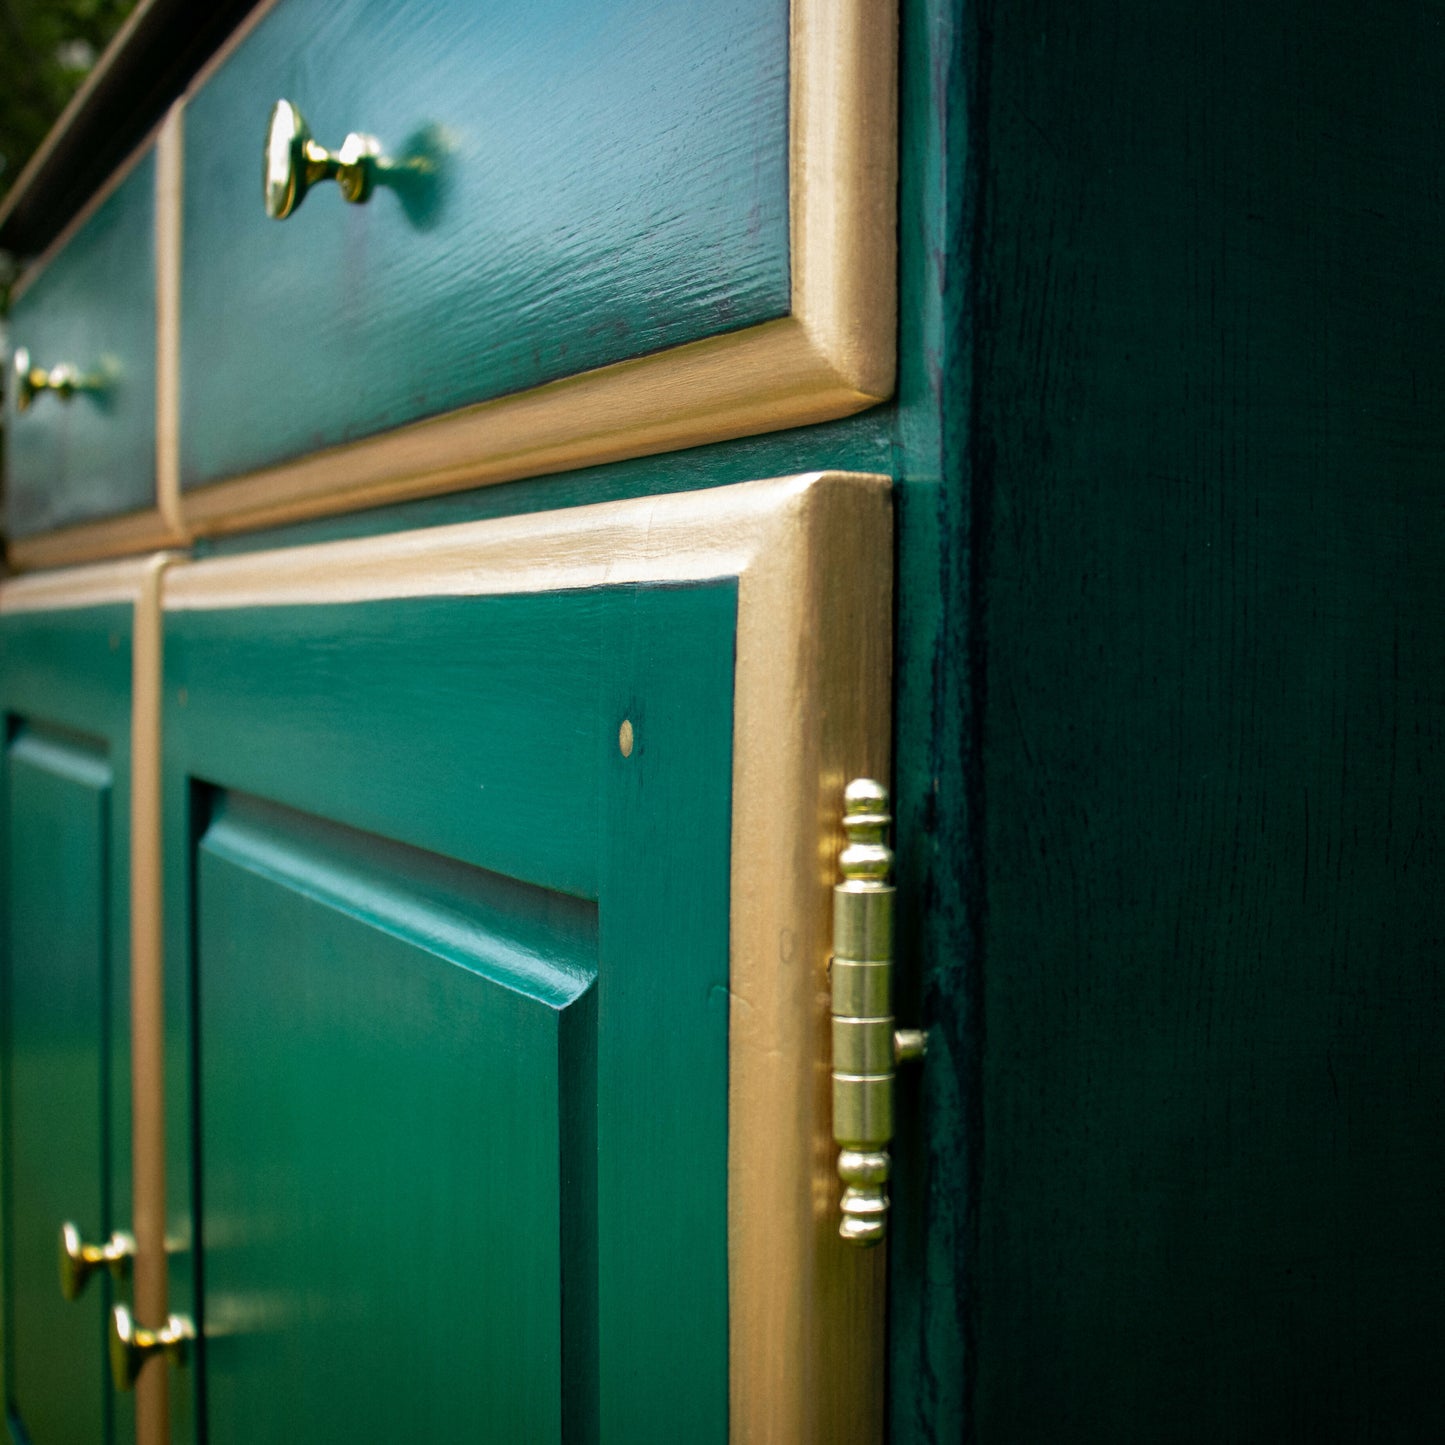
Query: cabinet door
(456,1008)
(65,690)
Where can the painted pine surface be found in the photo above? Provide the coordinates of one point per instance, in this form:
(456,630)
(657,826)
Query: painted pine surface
(597,181)
(94,307)
(64,1050)
(429,886)
(1211,348)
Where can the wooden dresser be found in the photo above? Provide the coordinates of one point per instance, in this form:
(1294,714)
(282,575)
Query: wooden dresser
(482,481)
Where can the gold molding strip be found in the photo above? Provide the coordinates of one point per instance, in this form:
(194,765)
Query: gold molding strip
(92,541)
(147,993)
(813,556)
(833,355)
(169,162)
(97,586)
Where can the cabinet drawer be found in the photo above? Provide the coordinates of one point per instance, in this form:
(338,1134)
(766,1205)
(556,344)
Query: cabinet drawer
(579,209)
(90,306)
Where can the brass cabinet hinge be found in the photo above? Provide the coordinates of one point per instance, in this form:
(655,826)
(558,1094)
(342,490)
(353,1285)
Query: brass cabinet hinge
(866,1047)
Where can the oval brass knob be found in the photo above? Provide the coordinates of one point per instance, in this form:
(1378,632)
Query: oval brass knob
(294,163)
(78,1260)
(30,380)
(131,1345)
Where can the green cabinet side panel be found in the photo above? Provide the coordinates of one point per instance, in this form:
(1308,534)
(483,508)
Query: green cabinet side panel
(94,307)
(56,915)
(388,1164)
(458,925)
(1211,329)
(588,182)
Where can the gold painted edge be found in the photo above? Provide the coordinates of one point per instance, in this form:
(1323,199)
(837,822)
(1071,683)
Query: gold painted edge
(812,710)
(749,381)
(170,156)
(78,102)
(813,554)
(843,186)
(834,355)
(71,587)
(675,536)
(148,1136)
(91,541)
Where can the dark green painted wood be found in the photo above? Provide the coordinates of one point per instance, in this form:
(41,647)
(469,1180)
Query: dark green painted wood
(55,1056)
(610,179)
(526,730)
(381,1055)
(1211,348)
(93,306)
(65,695)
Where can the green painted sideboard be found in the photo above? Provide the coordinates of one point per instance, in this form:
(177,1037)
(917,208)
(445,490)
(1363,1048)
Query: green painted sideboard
(1160,417)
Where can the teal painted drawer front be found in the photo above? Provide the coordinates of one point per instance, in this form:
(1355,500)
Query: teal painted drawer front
(610,179)
(93,306)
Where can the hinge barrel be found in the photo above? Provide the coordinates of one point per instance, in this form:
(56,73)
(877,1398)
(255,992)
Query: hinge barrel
(866,1047)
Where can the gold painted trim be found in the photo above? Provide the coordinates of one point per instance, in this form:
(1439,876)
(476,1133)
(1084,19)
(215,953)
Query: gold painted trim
(833,355)
(148,1134)
(61,591)
(169,162)
(91,541)
(813,557)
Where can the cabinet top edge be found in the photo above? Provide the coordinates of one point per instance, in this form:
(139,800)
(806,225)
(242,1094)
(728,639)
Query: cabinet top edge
(672,537)
(146,67)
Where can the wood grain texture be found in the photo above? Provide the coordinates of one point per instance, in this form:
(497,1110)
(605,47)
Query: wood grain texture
(609,181)
(92,306)
(170,142)
(1211,351)
(147,968)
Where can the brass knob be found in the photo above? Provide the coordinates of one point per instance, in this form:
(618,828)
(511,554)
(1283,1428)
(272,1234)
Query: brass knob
(64,380)
(78,1260)
(294,163)
(131,1345)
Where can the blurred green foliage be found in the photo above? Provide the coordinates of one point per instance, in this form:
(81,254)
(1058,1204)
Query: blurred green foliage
(47,48)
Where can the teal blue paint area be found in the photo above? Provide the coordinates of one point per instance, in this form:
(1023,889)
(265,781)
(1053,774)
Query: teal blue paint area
(93,307)
(383,1050)
(575,183)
